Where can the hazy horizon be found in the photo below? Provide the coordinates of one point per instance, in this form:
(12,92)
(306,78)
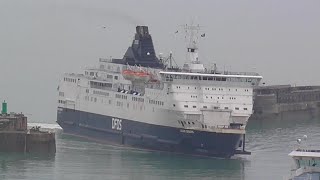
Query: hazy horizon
(42,39)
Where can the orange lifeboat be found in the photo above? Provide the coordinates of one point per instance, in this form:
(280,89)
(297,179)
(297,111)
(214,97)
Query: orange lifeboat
(136,75)
(142,76)
(128,74)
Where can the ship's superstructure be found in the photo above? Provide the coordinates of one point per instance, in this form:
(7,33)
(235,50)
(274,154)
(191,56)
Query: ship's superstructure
(139,101)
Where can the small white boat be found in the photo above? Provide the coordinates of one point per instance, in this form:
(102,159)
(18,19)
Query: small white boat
(307,164)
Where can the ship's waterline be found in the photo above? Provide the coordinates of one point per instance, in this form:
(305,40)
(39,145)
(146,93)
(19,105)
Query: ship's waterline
(147,136)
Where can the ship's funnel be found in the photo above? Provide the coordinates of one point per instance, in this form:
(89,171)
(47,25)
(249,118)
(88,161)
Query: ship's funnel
(142,30)
(4,108)
(141,52)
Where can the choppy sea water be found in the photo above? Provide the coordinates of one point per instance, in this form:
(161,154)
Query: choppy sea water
(269,141)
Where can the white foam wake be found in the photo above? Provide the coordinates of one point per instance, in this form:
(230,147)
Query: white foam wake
(46,126)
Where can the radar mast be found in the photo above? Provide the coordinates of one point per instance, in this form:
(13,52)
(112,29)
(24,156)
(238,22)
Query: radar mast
(193,63)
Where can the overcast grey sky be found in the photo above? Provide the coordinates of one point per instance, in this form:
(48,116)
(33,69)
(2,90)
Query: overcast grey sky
(42,39)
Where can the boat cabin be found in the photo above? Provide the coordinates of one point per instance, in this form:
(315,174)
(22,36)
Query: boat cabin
(307,164)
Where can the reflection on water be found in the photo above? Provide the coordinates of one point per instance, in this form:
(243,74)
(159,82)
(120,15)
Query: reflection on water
(124,163)
(269,141)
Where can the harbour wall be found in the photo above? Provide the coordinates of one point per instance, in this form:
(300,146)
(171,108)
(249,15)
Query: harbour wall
(286,102)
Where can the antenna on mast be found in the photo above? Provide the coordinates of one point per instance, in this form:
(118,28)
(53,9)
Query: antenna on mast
(193,63)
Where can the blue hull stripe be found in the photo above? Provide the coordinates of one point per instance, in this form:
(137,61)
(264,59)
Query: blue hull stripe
(147,136)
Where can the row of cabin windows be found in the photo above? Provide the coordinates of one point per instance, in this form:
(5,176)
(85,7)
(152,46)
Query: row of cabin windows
(92,99)
(233,98)
(110,77)
(120,104)
(186,106)
(213,89)
(70,80)
(160,103)
(100,85)
(188,122)
(137,99)
(90,73)
(61,101)
(205,107)
(121,96)
(209,78)
(100,93)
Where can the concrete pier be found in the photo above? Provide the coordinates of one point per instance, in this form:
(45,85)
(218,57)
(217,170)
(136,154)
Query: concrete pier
(286,102)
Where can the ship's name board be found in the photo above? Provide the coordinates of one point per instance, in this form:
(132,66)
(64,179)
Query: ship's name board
(186,131)
(116,124)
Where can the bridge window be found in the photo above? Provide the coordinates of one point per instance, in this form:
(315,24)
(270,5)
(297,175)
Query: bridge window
(236,108)
(185,106)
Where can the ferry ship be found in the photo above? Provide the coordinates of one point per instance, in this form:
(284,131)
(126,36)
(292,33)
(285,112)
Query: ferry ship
(141,101)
